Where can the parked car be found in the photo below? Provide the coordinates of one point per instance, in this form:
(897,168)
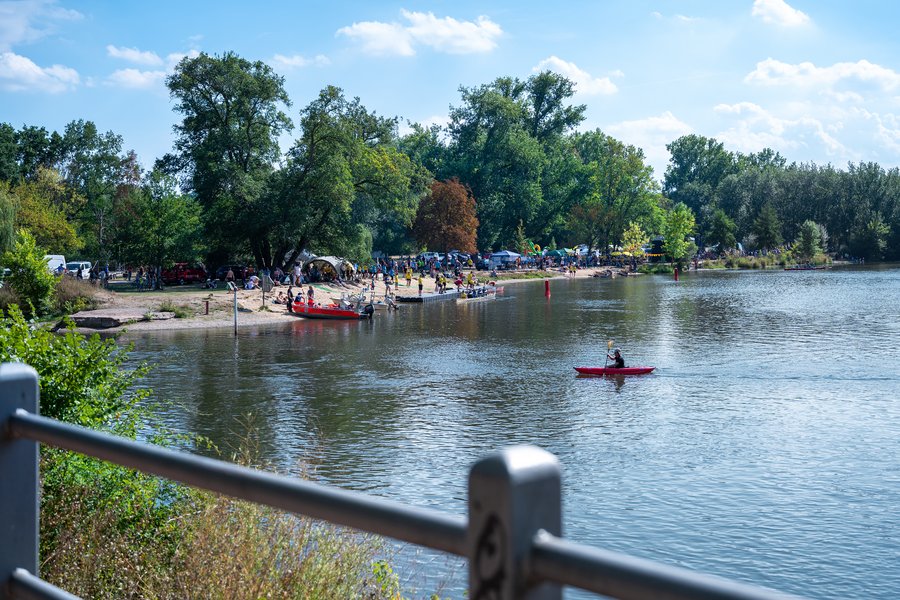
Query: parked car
(183,273)
(73,265)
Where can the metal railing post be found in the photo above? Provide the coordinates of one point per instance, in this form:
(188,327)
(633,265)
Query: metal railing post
(513,495)
(18,477)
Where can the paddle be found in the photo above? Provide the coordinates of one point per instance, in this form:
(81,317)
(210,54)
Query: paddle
(608,347)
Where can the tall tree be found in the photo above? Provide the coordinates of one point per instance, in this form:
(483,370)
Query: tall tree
(721,231)
(227,145)
(680,223)
(507,143)
(164,226)
(617,188)
(7,217)
(767,228)
(696,168)
(9,167)
(446,218)
(808,242)
(344,179)
(45,207)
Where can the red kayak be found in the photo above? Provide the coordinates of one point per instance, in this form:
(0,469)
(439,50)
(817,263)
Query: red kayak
(614,371)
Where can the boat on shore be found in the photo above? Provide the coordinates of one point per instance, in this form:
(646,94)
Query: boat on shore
(332,311)
(614,370)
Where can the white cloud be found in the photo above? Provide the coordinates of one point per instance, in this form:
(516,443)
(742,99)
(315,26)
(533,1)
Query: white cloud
(778,12)
(141,57)
(584,82)
(651,135)
(26,21)
(756,128)
(135,79)
(20,74)
(444,34)
(299,61)
(775,72)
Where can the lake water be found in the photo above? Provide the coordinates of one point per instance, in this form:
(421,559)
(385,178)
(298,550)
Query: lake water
(765,448)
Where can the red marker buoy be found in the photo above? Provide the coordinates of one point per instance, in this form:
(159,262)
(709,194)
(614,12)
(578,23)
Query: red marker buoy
(547,288)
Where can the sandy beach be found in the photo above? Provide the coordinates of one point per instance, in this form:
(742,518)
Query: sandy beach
(210,308)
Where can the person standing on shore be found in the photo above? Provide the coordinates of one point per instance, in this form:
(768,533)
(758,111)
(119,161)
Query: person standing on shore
(420,284)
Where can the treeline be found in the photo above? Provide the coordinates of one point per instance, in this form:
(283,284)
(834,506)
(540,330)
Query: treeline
(510,168)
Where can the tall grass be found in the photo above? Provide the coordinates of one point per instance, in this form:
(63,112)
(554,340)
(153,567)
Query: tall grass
(202,545)
(72,295)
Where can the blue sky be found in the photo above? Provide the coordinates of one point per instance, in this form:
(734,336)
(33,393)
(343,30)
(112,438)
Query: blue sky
(816,80)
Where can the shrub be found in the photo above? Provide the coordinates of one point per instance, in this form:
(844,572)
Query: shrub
(29,275)
(72,295)
(8,297)
(182,311)
(656,269)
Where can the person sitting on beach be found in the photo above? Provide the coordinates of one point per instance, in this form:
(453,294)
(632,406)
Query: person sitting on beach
(617,357)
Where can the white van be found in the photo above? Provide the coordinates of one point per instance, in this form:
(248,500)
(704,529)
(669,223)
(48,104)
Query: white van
(73,265)
(54,262)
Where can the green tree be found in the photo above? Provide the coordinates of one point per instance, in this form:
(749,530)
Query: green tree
(696,168)
(680,223)
(868,238)
(227,146)
(9,167)
(721,231)
(808,242)
(344,178)
(634,239)
(164,226)
(767,228)
(446,218)
(617,188)
(29,276)
(506,142)
(7,217)
(46,206)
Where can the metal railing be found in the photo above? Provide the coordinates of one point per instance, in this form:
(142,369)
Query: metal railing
(511,539)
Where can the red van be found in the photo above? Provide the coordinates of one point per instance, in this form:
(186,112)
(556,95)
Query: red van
(183,273)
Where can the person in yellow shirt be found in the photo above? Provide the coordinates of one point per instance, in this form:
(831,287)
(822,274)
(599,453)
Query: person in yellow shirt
(408,276)
(420,284)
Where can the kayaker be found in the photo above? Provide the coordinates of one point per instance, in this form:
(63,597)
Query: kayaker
(617,357)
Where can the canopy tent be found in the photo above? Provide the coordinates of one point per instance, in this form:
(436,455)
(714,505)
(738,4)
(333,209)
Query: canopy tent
(556,253)
(326,268)
(503,257)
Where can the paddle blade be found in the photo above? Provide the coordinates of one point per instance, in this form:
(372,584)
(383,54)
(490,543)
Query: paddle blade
(609,344)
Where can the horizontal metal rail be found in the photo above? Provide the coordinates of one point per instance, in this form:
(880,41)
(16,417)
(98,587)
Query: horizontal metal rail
(630,578)
(425,527)
(26,586)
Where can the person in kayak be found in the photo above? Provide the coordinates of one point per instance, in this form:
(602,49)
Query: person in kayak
(617,357)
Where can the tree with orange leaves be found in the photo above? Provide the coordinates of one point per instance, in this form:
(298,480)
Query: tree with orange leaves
(446,218)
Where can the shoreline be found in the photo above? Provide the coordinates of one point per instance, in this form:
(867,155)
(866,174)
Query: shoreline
(221,308)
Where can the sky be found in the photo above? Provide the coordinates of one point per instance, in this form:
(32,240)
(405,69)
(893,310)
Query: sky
(816,80)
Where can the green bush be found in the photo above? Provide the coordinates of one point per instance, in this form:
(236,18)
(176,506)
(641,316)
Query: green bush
(29,275)
(656,268)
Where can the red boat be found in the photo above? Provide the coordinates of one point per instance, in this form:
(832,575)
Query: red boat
(332,311)
(614,371)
